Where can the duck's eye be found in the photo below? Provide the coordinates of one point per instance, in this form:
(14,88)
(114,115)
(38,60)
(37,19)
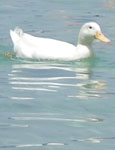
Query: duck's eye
(90,27)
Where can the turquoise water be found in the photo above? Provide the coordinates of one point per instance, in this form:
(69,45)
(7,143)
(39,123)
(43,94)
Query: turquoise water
(52,104)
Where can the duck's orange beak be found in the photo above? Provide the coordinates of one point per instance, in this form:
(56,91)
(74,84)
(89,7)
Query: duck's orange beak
(101,37)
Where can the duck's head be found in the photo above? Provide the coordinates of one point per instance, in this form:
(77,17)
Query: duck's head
(89,32)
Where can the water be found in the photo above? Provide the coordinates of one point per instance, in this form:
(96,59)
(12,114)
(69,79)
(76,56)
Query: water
(52,104)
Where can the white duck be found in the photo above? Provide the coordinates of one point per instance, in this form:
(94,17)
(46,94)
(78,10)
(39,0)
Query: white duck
(28,46)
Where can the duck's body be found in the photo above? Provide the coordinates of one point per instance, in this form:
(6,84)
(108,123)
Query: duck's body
(28,46)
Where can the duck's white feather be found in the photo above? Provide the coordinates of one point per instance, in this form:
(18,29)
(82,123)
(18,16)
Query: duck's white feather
(28,46)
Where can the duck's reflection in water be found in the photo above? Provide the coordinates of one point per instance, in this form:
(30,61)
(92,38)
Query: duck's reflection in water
(49,76)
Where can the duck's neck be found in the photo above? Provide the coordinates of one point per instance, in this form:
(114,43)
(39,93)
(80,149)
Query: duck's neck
(85,41)
(84,47)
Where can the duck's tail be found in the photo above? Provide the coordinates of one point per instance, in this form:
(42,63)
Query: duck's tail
(16,34)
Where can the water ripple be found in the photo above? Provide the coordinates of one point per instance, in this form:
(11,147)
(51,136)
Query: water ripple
(13,125)
(33,145)
(58,119)
(40,79)
(33,89)
(22,98)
